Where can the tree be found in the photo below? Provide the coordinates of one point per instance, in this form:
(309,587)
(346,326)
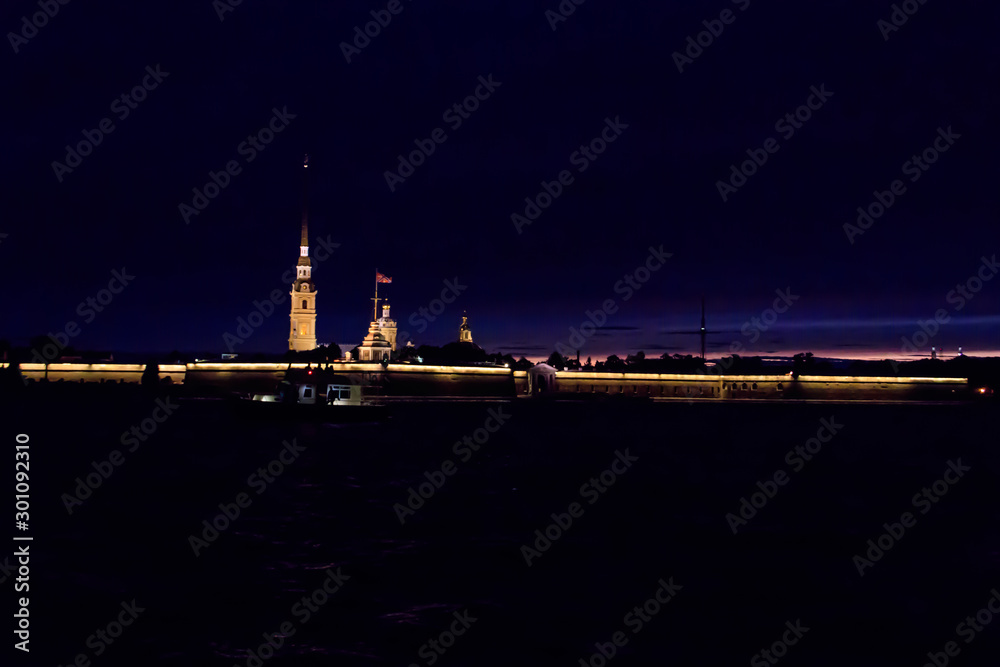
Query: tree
(635,359)
(556,360)
(614,364)
(522,364)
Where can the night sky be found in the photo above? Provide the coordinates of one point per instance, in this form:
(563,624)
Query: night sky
(886,95)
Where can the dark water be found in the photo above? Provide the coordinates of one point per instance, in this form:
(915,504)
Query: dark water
(663,518)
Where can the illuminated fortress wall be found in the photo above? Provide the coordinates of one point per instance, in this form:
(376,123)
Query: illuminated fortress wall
(398,380)
(98,372)
(838,387)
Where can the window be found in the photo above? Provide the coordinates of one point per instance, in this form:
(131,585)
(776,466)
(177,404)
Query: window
(305,304)
(307,392)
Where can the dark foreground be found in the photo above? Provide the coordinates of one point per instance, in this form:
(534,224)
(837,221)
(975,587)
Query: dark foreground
(456,563)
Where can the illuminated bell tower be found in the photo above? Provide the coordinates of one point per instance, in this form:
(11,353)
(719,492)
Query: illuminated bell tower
(302,335)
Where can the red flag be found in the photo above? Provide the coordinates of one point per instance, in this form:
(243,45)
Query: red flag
(379,278)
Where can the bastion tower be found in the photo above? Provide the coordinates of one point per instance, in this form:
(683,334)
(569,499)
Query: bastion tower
(302,335)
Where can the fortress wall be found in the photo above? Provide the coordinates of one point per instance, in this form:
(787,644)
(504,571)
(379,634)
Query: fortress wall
(428,380)
(74,372)
(844,388)
(660,387)
(762,386)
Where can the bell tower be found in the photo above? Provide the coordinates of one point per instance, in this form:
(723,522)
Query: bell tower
(302,334)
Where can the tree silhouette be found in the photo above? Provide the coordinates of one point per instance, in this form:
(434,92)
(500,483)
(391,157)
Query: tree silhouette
(614,364)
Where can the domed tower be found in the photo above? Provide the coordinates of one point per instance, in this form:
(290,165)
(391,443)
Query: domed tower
(302,335)
(387,327)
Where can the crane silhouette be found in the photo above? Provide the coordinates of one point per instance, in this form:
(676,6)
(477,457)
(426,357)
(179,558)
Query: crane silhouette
(702,332)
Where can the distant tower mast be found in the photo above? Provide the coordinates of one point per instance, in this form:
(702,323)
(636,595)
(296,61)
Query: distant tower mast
(302,335)
(702,333)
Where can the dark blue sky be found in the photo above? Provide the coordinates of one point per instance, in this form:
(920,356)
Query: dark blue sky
(656,184)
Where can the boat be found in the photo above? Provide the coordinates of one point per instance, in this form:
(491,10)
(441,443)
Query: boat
(314,394)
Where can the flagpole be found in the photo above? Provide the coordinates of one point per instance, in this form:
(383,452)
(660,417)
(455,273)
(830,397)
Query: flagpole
(375,309)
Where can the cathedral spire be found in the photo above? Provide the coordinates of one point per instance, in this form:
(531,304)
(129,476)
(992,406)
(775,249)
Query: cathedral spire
(304,243)
(302,334)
